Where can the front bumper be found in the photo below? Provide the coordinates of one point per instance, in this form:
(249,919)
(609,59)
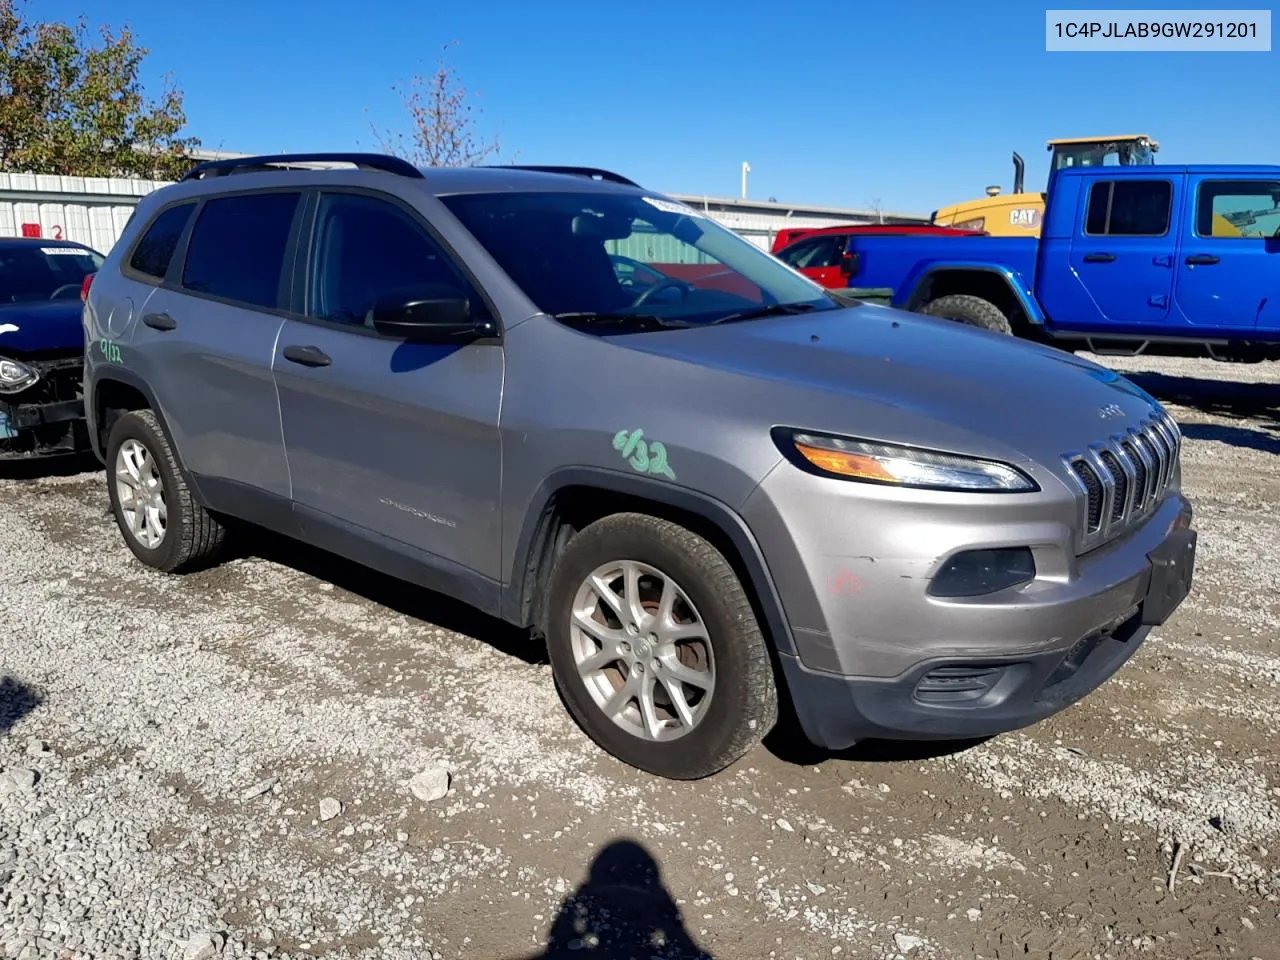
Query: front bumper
(30,430)
(47,419)
(950,697)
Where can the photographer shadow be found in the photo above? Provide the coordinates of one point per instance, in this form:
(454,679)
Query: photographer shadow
(622,911)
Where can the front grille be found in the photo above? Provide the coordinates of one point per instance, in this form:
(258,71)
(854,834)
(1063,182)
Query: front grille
(1123,480)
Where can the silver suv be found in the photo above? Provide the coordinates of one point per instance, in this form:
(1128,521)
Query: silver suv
(713,490)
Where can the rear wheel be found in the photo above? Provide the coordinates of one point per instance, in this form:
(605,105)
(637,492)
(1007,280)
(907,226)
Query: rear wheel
(965,308)
(655,648)
(160,520)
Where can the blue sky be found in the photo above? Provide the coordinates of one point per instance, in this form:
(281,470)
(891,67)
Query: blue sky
(911,104)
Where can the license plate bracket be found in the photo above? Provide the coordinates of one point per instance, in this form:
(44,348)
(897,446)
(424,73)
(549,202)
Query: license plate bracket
(1172,568)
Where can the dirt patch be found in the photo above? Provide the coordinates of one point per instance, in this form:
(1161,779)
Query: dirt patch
(165,700)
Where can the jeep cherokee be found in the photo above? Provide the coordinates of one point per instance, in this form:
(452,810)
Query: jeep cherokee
(710,487)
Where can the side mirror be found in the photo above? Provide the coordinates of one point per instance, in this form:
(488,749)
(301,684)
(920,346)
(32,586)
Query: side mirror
(432,314)
(849,263)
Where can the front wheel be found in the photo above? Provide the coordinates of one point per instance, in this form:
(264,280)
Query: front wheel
(656,650)
(974,311)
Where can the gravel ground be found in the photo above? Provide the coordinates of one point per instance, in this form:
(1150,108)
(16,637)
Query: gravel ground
(249,762)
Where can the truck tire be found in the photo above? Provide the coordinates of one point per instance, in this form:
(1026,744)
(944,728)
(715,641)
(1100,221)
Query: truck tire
(974,311)
(655,648)
(142,477)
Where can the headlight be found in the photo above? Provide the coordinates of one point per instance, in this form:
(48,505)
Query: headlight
(15,376)
(873,462)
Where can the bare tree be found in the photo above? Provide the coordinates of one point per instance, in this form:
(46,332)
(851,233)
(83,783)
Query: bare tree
(442,121)
(877,207)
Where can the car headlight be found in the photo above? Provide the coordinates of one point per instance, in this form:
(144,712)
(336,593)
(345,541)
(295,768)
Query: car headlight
(853,459)
(15,376)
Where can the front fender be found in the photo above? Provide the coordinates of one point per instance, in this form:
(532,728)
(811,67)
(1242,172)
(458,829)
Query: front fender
(536,544)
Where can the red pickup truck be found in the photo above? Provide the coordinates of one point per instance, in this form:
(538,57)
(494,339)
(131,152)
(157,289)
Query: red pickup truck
(823,254)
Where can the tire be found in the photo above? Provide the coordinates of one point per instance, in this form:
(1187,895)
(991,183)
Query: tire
(964,308)
(742,704)
(190,535)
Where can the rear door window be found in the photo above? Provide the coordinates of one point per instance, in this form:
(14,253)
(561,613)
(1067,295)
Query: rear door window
(1238,209)
(1129,208)
(238,246)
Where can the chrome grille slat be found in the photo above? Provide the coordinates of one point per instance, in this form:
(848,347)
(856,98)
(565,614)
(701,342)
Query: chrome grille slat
(1108,484)
(1123,480)
(1171,450)
(1150,475)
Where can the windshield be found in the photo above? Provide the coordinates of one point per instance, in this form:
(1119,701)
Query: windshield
(32,273)
(622,255)
(1110,153)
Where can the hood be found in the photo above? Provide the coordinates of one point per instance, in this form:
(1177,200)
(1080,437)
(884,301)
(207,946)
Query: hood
(885,374)
(44,325)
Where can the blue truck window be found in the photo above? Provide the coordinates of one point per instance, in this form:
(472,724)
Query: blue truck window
(1129,208)
(1238,209)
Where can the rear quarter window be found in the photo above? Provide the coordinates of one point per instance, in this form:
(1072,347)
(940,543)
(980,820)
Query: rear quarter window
(154,252)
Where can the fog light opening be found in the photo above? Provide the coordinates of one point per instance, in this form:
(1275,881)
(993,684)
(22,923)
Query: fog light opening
(958,683)
(975,573)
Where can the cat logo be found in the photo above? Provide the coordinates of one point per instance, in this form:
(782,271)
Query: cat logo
(1027,217)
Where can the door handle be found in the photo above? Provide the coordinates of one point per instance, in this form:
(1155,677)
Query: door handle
(1099,257)
(1201,259)
(160,321)
(307,356)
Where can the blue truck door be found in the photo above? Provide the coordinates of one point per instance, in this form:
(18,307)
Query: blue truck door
(1228,272)
(1124,256)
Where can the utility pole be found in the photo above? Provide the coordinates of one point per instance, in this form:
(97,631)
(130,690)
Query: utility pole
(746,168)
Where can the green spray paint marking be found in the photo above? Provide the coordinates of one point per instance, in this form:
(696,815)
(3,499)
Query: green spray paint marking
(644,456)
(110,351)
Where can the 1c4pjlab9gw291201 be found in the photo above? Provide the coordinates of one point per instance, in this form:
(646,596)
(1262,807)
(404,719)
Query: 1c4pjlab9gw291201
(701,479)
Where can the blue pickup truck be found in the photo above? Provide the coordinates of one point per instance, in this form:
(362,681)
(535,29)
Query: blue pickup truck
(1129,260)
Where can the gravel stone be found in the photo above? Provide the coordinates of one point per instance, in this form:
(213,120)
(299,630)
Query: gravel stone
(19,780)
(906,943)
(329,808)
(201,946)
(258,789)
(431,784)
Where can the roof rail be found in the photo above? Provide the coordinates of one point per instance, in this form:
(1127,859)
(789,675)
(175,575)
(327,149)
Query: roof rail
(259,164)
(595,173)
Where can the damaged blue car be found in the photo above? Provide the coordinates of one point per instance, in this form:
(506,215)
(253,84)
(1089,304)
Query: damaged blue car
(42,285)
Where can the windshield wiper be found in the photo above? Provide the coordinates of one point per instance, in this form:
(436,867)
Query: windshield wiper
(636,321)
(770,310)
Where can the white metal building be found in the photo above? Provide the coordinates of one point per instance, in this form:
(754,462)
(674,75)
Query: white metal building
(759,221)
(94,210)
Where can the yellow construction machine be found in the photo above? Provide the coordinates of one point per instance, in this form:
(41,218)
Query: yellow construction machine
(1018,214)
